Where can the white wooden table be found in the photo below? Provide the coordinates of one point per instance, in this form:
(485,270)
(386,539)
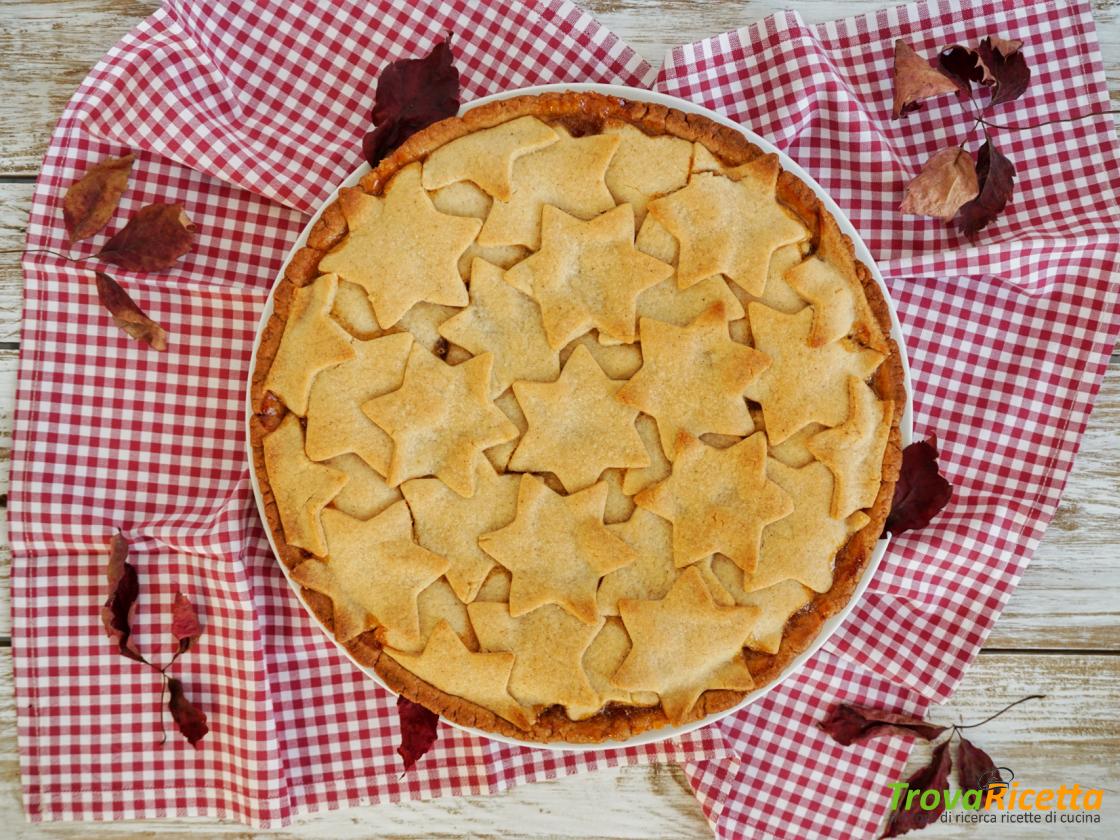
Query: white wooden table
(1059,635)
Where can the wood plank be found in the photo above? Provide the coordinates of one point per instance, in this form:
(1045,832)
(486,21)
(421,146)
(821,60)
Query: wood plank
(1069,737)
(15,204)
(51,47)
(1070,595)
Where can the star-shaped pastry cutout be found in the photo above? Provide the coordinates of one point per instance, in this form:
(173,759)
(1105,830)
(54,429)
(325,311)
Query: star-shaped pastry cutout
(450,525)
(666,301)
(602,659)
(373,573)
(577,426)
(301,487)
(354,312)
(680,307)
(854,450)
(557,549)
(547,646)
(718,500)
(779,293)
(618,361)
(645,166)
(794,450)
(684,644)
(652,575)
(775,604)
(498,455)
(401,249)
(569,174)
(486,157)
(312,341)
(588,274)
(440,420)
(366,493)
(803,545)
(639,478)
(830,282)
(437,603)
(503,321)
(834,304)
(335,422)
(728,226)
(481,678)
(804,384)
(693,378)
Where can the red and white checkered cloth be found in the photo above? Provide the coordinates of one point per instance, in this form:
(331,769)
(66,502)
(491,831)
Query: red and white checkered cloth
(249,113)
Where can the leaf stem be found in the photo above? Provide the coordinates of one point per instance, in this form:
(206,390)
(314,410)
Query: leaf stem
(1000,712)
(163,670)
(163,691)
(1047,122)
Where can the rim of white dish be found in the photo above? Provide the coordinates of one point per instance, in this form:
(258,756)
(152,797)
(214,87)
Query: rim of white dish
(829,627)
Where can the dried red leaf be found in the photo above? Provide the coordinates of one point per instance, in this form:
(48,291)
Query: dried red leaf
(934,776)
(996,176)
(849,724)
(412,94)
(962,65)
(119,608)
(921,491)
(946,182)
(90,201)
(191,722)
(975,768)
(1008,71)
(915,79)
(419,728)
(184,622)
(154,238)
(127,315)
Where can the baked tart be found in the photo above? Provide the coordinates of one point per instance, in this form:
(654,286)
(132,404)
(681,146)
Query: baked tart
(577,417)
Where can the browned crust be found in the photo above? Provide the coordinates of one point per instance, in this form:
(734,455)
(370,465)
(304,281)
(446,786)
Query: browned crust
(585,113)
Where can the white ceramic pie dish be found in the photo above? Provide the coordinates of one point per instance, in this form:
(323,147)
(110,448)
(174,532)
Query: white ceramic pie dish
(906,426)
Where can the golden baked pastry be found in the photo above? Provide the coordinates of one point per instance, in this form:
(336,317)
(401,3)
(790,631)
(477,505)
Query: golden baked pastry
(576,418)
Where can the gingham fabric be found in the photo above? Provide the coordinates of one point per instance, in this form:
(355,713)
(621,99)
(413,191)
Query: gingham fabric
(248,113)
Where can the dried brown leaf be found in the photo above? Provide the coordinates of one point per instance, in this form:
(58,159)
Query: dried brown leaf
(419,728)
(190,720)
(90,201)
(849,724)
(975,768)
(996,175)
(934,776)
(1008,72)
(120,607)
(154,238)
(185,626)
(946,182)
(962,65)
(412,94)
(127,315)
(915,79)
(921,492)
